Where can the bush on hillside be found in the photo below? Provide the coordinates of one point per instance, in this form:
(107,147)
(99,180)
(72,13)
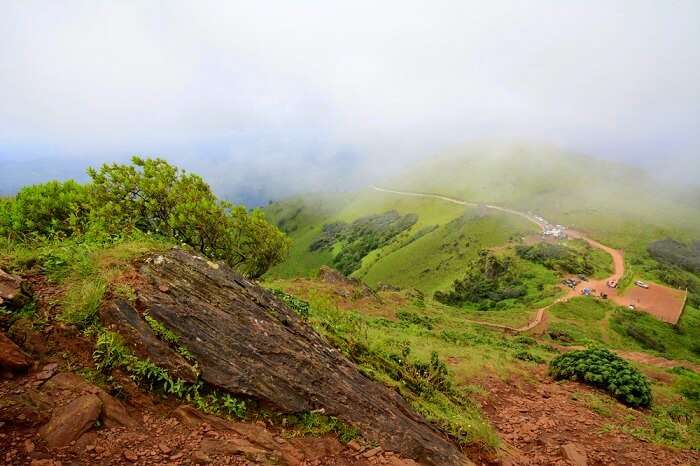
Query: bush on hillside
(45,210)
(603,369)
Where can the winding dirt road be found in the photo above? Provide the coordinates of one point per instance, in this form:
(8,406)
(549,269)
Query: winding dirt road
(662,302)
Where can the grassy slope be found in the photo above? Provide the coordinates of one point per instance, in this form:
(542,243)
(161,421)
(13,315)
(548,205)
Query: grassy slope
(588,320)
(476,353)
(616,204)
(428,263)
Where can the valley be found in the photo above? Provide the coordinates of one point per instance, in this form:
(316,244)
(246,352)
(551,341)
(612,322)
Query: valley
(376,327)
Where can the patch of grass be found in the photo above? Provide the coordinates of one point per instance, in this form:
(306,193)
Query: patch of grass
(83,301)
(316,424)
(111,352)
(168,336)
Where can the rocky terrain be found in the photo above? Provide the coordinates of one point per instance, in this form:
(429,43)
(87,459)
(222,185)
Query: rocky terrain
(240,339)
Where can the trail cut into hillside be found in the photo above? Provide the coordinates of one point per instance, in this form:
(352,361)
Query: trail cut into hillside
(660,301)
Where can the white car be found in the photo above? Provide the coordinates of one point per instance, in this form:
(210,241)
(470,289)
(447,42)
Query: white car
(641,284)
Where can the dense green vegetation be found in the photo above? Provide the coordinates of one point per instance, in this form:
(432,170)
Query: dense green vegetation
(361,237)
(489,279)
(675,253)
(149,196)
(565,258)
(601,368)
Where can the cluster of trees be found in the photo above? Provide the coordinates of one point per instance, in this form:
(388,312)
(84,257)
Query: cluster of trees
(557,257)
(154,197)
(489,280)
(361,237)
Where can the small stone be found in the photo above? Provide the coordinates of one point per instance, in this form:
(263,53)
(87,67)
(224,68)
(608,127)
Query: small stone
(47,372)
(373,452)
(355,445)
(28,446)
(199,457)
(130,456)
(164,448)
(176,456)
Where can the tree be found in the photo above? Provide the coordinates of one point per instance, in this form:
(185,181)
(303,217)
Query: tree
(156,197)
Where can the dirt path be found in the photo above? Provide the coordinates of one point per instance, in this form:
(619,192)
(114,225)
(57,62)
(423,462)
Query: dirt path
(540,314)
(662,302)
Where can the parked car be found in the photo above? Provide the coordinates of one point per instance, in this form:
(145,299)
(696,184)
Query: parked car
(583,278)
(641,284)
(570,282)
(586,291)
(612,283)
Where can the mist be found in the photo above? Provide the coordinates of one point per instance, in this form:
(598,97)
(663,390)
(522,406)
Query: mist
(268,99)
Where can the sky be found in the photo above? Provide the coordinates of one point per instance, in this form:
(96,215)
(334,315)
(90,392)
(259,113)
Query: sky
(266,98)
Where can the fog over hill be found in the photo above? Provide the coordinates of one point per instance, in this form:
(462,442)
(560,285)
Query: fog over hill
(267,102)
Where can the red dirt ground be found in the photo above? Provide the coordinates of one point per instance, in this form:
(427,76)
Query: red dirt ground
(662,302)
(537,421)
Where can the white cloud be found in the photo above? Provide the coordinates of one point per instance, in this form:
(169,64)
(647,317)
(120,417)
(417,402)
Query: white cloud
(267,84)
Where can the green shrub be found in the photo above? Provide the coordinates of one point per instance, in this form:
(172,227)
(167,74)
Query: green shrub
(528,356)
(413,318)
(604,369)
(148,196)
(156,197)
(50,209)
(558,257)
(297,305)
(316,424)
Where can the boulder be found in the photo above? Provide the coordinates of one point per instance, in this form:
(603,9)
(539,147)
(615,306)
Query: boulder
(67,424)
(15,292)
(12,358)
(247,342)
(113,414)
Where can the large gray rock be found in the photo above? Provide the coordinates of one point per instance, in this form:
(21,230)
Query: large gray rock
(248,342)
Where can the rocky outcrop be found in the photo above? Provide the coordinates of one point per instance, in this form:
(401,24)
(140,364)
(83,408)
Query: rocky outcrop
(249,343)
(14,291)
(67,424)
(12,359)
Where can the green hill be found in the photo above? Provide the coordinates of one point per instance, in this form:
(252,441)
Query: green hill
(617,204)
